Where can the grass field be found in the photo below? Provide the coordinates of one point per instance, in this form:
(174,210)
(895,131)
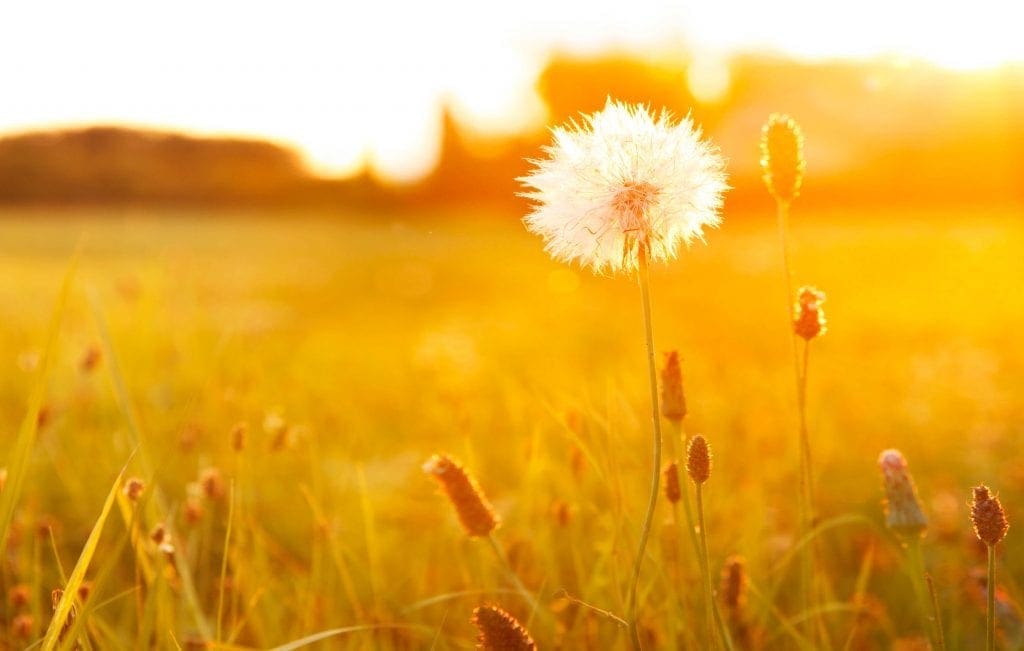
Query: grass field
(356,349)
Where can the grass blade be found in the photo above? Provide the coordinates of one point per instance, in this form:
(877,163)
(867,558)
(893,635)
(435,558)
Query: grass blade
(69,597)
(21,451)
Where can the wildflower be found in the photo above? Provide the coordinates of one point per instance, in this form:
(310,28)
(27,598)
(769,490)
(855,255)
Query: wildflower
(500,631)
(671,474)
(698,460)
(673,400)
(808,317)
(903,512)
(782,157)
(624,183)
(987,514)
(475,513)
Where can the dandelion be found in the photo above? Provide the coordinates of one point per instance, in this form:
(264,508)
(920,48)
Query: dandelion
(990,525)
(615,192)
(500,631)
(808,317)
(782,157)
(622,186)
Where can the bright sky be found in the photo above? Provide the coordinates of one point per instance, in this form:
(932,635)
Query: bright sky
(350,82)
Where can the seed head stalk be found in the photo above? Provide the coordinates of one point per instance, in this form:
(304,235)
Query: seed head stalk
(990,588)
(645,300)
(800,367)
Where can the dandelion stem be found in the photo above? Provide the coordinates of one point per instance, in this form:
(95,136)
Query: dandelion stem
(990,589)
(645,299)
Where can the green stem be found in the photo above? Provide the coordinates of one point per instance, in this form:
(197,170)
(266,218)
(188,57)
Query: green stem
(917,578)
(713,616)
(990,618)
(645,299)
(527,595)
(800,375)
(685,499)
(935,612)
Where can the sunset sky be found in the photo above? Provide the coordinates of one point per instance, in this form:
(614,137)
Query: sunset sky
(350,83)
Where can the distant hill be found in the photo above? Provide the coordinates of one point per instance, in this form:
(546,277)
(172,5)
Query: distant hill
(877,133)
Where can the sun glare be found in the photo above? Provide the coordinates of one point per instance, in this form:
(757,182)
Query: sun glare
(362,84)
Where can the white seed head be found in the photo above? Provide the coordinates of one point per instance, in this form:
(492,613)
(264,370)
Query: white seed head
(623,180)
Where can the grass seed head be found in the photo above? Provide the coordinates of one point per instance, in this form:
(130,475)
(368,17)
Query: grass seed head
(698,460)
(474,511)
(987,514)
(734,584)
(782,157)
(133,488)
(213,484)
(673,400)
(18,596)
(808,317)
(239,434)
(671,475)
(500,631)
(903,512)
(22,625)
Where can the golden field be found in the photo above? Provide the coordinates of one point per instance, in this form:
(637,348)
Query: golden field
(354,349)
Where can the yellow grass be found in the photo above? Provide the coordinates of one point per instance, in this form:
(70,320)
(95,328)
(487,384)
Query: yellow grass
(385,338)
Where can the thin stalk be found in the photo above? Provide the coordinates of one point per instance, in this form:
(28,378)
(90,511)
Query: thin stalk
(935,612)
(527,595)
(685,499)
(990,588)
(915,560)
(645,299)
(800,375)
(715,623)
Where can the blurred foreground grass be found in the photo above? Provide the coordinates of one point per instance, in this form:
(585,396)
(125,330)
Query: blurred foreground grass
(354,350)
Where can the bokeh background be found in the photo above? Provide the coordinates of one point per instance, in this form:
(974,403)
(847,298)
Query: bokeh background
(306,220)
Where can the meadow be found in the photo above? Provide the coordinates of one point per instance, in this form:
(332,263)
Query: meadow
(354,349)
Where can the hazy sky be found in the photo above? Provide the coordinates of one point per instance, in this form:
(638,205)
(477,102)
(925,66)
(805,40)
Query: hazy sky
(349,82)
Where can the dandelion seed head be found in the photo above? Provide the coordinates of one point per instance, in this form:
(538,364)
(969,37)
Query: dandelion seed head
(621,181)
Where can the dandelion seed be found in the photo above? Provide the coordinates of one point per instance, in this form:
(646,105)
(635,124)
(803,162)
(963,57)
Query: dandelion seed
(623,181)
(782,157)
(500,631)
(673,400)
(903,512)
(475,513)
(808,317)
(698,460)
(988,517)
